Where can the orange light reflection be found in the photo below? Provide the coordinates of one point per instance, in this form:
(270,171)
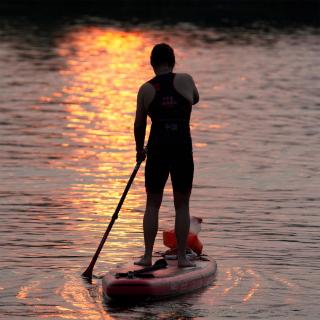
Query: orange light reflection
(255,286)
(104,70)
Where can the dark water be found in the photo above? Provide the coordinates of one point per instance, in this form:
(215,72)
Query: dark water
(67,104)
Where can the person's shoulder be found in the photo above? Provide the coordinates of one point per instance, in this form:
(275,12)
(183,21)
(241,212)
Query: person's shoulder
(146,87)
(185,77)
(185,85)
(146,94)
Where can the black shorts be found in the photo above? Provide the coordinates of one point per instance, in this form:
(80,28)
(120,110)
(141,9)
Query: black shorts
(178,161)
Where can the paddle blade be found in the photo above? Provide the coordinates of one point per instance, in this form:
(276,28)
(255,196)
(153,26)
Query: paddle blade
(87,275)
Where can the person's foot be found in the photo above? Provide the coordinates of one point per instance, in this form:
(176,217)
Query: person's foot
(144,262)
(185,263)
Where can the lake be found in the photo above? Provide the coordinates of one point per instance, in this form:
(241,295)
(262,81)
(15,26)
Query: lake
(67,106)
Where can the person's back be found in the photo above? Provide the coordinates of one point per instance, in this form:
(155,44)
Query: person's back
(167,99)
(170,115)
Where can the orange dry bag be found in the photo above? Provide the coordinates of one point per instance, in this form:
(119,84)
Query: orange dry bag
(193,242)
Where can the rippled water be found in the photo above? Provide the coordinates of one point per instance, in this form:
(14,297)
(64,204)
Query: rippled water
(67,104)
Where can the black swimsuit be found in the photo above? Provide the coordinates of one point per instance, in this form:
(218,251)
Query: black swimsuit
(169,144)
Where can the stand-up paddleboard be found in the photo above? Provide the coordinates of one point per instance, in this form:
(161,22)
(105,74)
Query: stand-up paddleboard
(162,280)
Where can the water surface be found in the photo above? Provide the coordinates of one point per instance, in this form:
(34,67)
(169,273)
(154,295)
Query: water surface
(67,105)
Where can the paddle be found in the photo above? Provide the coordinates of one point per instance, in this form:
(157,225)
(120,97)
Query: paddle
(88,273)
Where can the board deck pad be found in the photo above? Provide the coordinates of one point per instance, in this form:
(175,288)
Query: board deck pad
(166,282)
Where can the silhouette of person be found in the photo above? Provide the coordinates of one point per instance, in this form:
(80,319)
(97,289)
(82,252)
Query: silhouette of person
(167,99)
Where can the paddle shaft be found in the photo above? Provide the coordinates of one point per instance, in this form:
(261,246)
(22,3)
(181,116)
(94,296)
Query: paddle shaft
(88,272)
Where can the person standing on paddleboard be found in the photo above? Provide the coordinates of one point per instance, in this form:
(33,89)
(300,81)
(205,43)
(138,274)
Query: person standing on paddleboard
(167,99)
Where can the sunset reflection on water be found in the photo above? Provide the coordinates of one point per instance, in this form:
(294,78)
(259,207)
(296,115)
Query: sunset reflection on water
(103,74)
(104,69)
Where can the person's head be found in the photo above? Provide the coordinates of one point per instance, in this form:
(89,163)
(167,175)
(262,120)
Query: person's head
(162,55)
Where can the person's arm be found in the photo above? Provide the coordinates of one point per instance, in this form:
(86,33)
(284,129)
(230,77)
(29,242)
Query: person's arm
(140,122)
(196,97)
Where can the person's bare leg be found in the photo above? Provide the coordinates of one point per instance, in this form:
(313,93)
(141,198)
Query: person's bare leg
(182,225)
(150,227)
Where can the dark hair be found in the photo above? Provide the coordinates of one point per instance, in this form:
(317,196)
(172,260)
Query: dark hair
(162,53)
